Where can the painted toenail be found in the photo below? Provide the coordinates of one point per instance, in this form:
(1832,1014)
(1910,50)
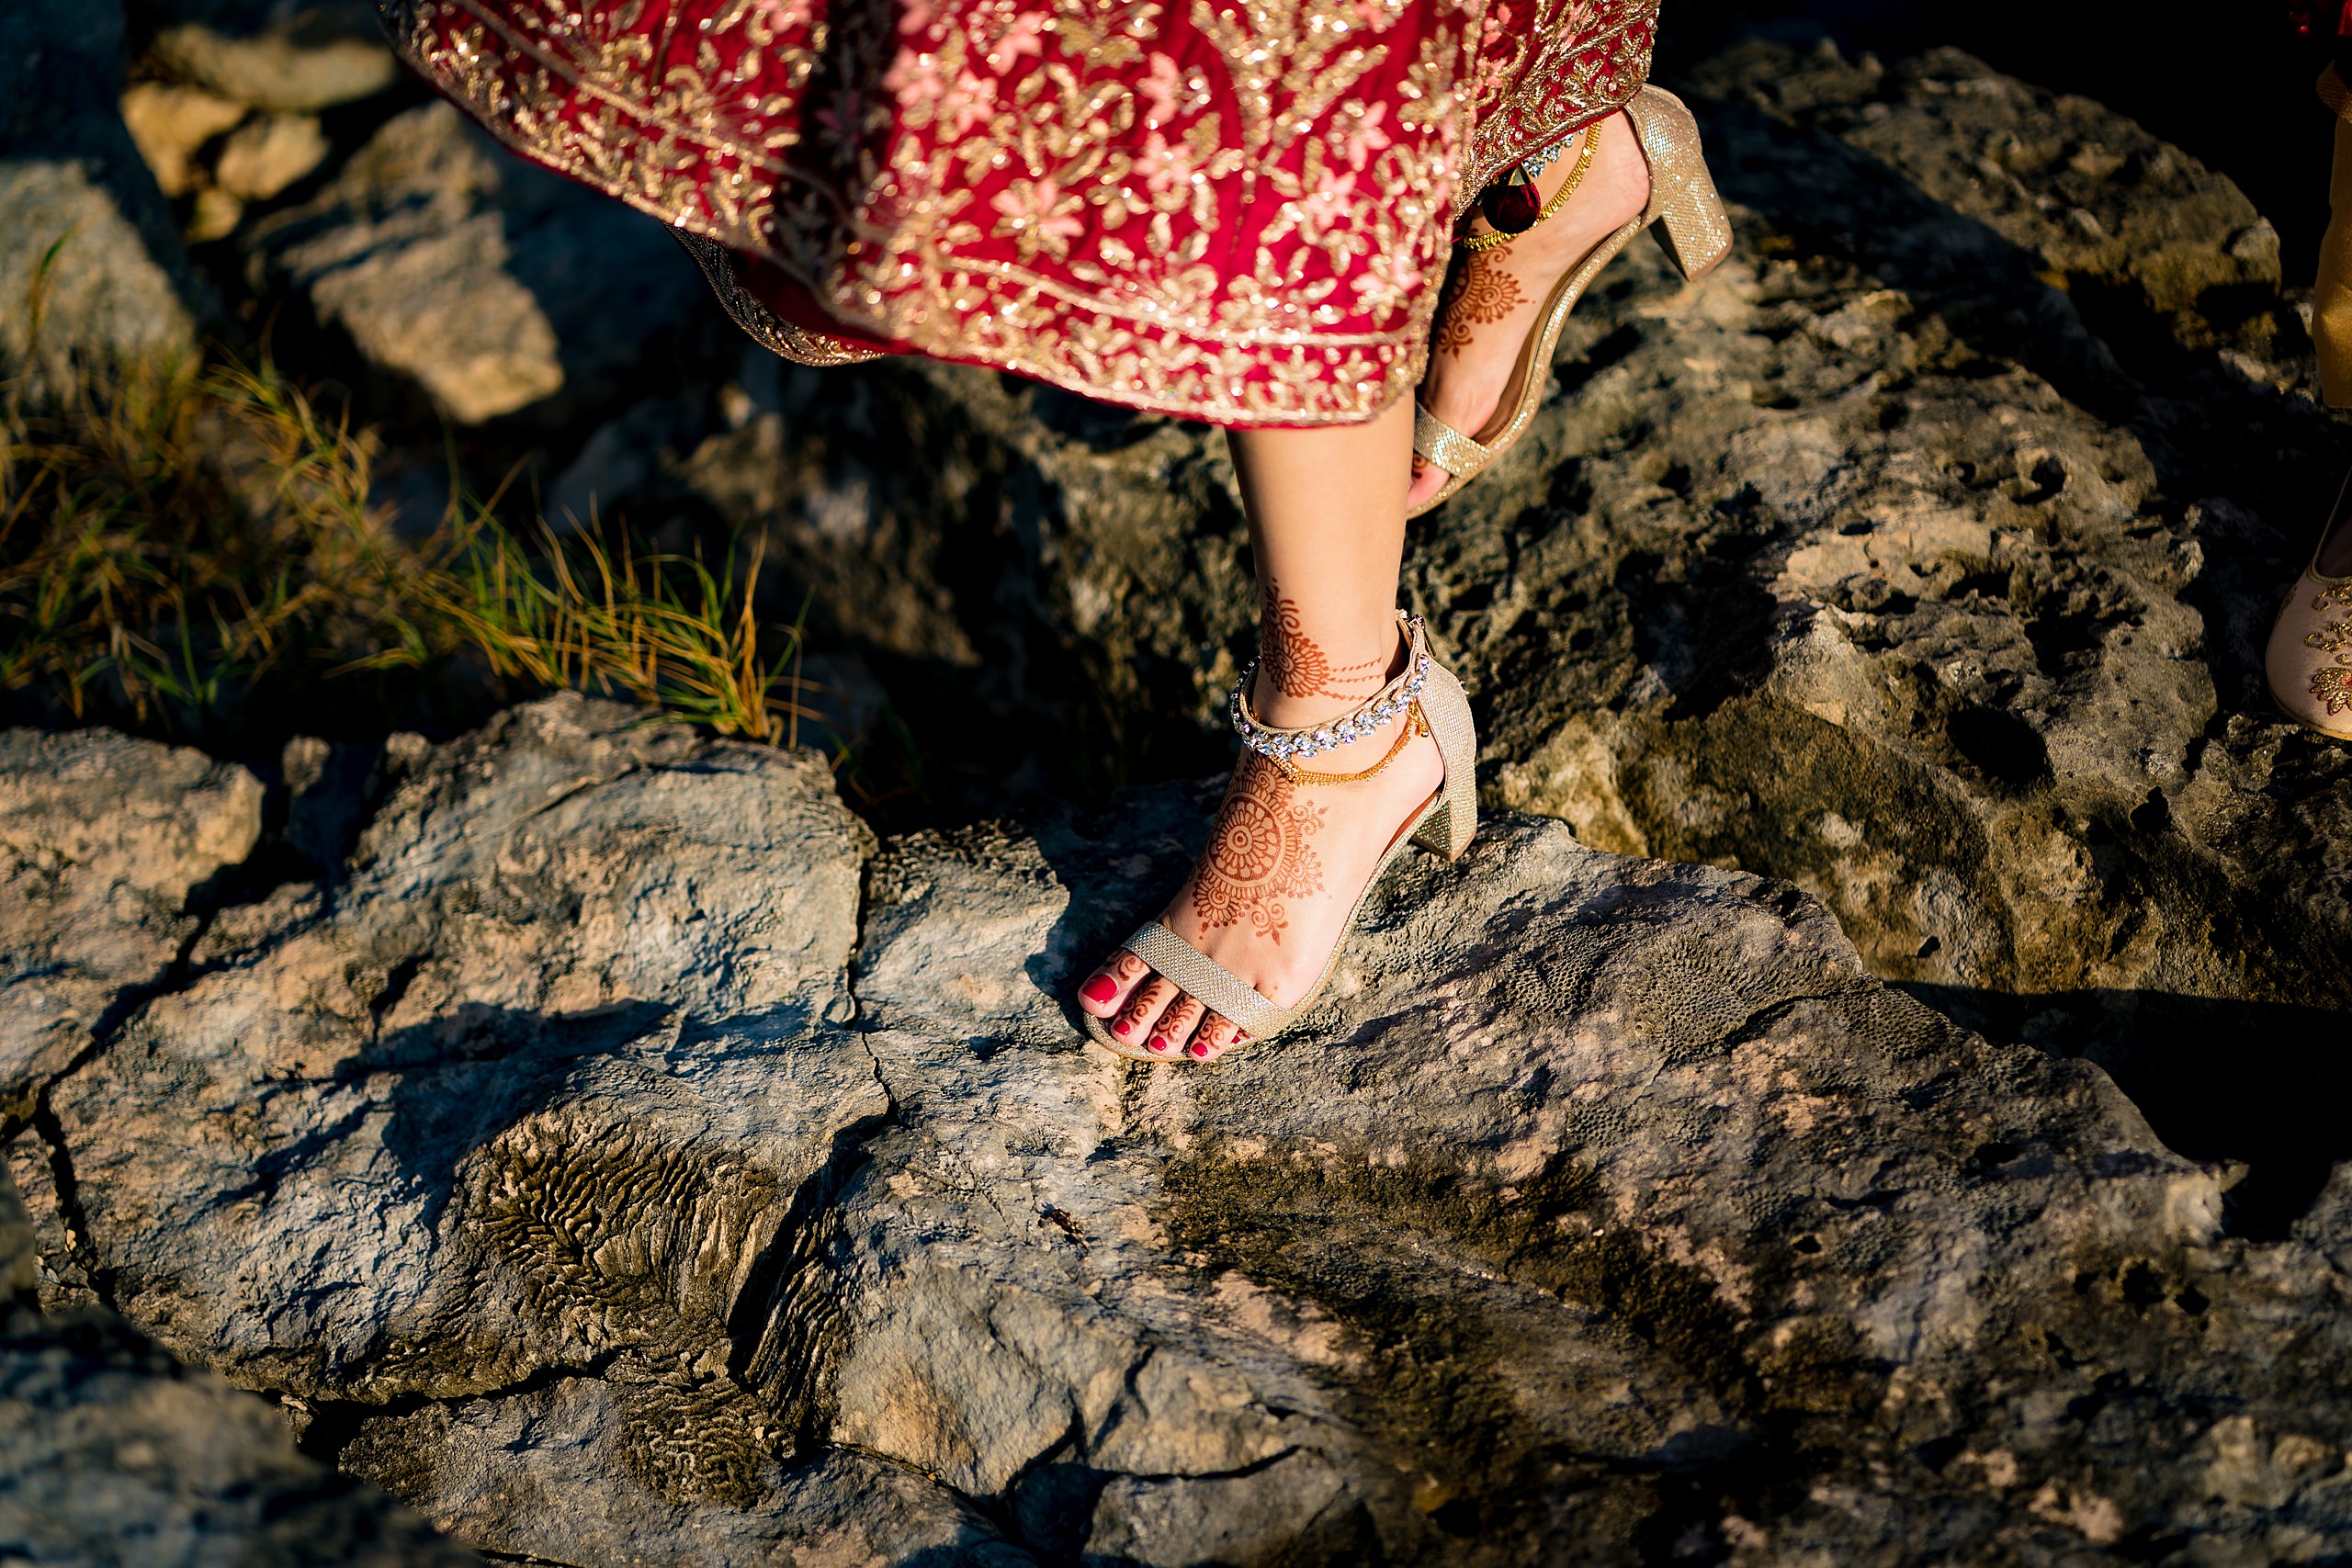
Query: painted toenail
(1157,1043)
(1101,988)
(1200,1050)
(1123,1027)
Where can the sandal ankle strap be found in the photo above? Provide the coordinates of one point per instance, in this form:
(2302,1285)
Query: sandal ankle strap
(1283,747)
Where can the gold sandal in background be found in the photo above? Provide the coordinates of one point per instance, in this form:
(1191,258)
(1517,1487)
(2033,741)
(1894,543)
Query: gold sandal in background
(2308,662)
(1692,227)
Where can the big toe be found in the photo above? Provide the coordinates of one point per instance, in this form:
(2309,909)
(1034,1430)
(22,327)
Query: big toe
(1106,990)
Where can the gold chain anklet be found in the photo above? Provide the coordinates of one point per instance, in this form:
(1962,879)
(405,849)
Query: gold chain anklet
(1559,197)
(1414,725)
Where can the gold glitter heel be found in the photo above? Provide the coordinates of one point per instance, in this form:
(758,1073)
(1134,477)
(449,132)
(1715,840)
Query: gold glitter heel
(1433,704)
(1692,228)
(2309,662)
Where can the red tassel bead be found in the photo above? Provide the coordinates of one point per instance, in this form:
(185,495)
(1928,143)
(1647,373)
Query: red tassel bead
(1511,203)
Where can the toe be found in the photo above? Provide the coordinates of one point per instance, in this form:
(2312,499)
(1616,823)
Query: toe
(1427,480)
(1107,989)
(1174,1027)
(1132,1025)
(1213,1038)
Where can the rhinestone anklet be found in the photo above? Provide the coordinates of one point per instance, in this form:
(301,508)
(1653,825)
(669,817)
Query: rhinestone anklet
(1284,747)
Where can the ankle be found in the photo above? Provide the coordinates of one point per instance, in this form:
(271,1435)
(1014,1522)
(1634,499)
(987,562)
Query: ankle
(1297,712)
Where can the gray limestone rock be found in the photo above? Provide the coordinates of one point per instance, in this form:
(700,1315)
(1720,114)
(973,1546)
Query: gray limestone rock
(285,56)
(489,284)
(113,1454)
(622,1157)
(101,839)
(92,274)
(1922,557)
(629,1162)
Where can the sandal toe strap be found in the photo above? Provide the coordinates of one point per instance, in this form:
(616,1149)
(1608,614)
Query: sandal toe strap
(1441,443)
(1199,976)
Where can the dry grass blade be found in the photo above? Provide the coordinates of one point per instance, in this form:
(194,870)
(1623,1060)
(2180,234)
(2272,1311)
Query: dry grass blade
(176,544)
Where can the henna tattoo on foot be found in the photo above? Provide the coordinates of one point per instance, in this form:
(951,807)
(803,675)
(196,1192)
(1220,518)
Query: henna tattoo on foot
(1132,1015)
(1174,1024)
(1481,294)
(1295,662)
(1257,853)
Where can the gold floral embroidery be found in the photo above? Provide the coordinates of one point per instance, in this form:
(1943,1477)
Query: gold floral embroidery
(1062,187)
(2332,686)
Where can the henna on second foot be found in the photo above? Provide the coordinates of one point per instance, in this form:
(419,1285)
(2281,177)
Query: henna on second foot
(1481,292)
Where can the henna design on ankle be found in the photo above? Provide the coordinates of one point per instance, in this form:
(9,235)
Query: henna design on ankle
(1257,853)
(1482,293)
(1295,662)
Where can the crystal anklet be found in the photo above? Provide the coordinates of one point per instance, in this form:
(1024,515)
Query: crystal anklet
(1283,747)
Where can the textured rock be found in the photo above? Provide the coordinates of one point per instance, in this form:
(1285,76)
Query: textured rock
(491,285)
(169,123)
(101,839)
(1922,556)
(91,270)
(265,157)
(112,1453)
(289,56)
(580,1173)
(1907,560)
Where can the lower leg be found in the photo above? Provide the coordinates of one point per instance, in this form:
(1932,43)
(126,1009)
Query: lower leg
(1327,525)
(1270,896)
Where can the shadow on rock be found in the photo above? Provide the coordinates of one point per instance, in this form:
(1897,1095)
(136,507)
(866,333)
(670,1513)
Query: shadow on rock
(2220,1079)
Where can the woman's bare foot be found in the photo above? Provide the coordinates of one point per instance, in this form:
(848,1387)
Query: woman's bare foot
(1492,295)
(1270,896)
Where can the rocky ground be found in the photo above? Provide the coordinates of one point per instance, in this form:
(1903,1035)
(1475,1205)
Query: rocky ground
(1862,1101)
(625,1157)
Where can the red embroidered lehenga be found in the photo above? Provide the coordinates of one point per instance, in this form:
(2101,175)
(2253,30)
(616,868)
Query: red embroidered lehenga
(1234,210)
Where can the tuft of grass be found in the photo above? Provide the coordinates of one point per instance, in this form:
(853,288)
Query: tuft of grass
(180,546)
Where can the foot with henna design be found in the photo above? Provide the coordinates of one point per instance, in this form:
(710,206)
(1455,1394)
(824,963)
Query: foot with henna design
(1271,895)
(1492,296)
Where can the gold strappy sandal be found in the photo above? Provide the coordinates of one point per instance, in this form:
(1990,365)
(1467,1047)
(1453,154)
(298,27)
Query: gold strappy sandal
(1692,227)
(2309,662)
(1432,703)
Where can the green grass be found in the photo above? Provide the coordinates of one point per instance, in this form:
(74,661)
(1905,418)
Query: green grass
(179,547)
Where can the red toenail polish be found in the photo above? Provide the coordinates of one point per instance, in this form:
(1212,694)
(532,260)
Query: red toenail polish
(1200,1050)
(1123,1027)
(1101,988)
(1157,1043)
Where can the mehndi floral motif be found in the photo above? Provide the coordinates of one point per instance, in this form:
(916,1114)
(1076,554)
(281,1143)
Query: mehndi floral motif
(1295,662)
(1257,854)
(1483,292)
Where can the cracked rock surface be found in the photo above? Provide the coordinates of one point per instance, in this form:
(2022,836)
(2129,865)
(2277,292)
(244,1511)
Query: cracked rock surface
(101,840)
(111,1453)
(626,1160)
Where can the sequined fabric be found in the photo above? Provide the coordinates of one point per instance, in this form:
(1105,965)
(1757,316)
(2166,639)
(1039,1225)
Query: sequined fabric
(1237,211)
